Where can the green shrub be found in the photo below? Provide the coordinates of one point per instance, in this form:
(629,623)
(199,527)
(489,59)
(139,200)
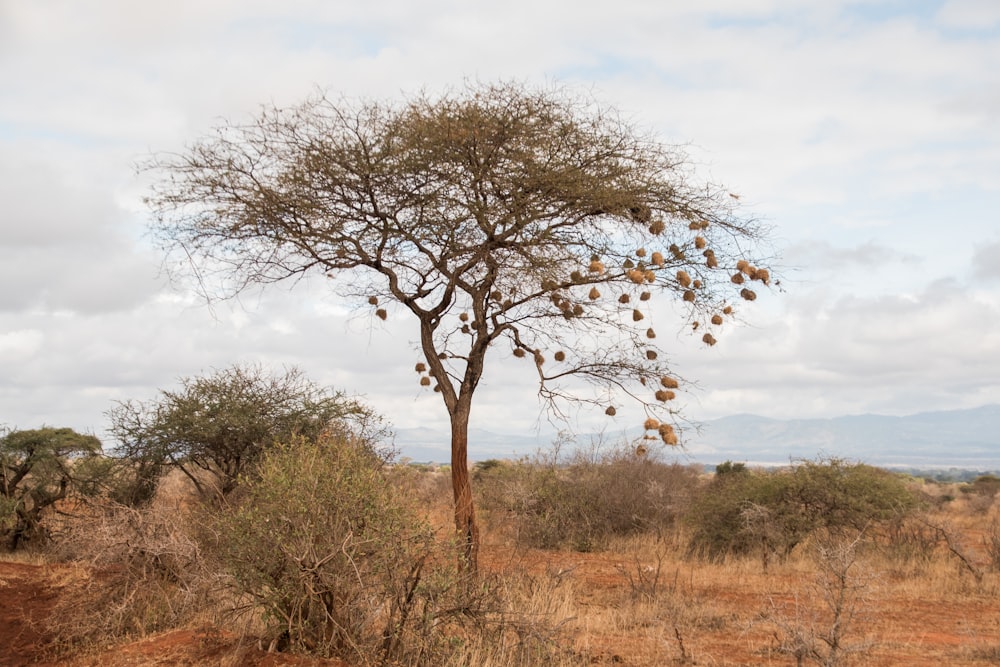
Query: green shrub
(334,561)
(772,512)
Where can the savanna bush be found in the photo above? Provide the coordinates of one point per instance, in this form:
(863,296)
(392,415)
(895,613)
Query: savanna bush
(583,501)
(319,545)
(771,512)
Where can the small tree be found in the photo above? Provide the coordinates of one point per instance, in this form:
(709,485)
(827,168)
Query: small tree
(496,216)
(38,468)
(220,424)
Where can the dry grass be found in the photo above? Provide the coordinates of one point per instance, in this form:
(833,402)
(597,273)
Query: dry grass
(643,602)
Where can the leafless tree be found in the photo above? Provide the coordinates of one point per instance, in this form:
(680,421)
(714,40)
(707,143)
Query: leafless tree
(500,216)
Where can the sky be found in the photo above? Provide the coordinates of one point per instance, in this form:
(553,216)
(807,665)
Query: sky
(865,133)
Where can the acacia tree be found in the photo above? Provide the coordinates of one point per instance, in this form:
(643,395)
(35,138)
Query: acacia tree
(499,216)
(38,468)
(221,424)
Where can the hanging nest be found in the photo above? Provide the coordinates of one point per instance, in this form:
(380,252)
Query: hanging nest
(578,310)
(624,298)
(650,333)
(764,276)
(651,355)
(637,276)
(657,258)
(437,388)
(675,251)
(539,359)
(442,355)
(694,226)
(496,295)
(425,381)
(700,242)
(576,277)
(716,319)
(645,296)
(637,315)
(737,278)
(650,276)
(464,317)
(651,424)
(610,411)
(669,382)
(728,310)
(466,329)
(696,284)
(641,451)
(420,367)
(641,252)
(628,264)
(657,227)
(743,265)
(594,294)
(596,266)
(507,303)
(748,294)
(668,435)
(560,356)
(708,339)
(548,285)
(373,300)
(695,325)
(381,314)
(664,395)
(519,352)
(683,278)
(689,296)
(710,260)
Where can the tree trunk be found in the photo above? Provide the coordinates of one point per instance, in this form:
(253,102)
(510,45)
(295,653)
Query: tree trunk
(465,512)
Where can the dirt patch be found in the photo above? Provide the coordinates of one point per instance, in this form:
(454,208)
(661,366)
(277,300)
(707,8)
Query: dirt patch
(28,593)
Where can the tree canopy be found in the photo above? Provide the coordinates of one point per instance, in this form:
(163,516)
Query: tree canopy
(221,423)
(38,468)
(529,221)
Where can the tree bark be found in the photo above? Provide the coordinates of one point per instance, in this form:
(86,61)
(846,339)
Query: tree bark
(465,512)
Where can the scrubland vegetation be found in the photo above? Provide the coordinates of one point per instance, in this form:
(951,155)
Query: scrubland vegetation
(602,557)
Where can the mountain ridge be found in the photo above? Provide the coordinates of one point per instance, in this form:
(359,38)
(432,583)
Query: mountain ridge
(966,438)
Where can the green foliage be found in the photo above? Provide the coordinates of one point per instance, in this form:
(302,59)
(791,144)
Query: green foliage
(772,512)
(587,500)
(38,468)
(730,468)
(323,547)
(222,423)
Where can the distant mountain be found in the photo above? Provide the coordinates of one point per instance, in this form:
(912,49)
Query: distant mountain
(966,439)
(954,438)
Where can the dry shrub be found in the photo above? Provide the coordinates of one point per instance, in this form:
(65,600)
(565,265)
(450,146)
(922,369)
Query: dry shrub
(147,572)
(587,499)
